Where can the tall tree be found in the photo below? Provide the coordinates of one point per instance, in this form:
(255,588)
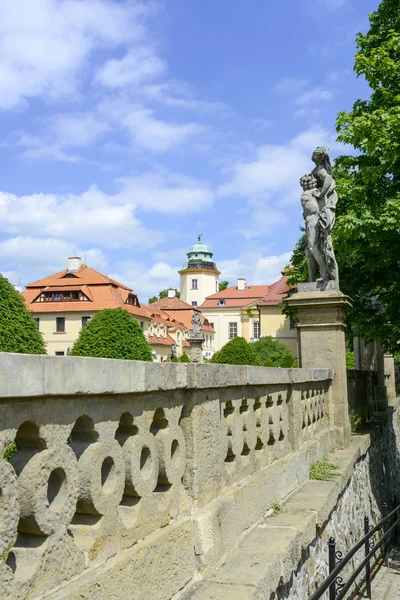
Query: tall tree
(223,285)
(18,329)
(367,233)
(366,236)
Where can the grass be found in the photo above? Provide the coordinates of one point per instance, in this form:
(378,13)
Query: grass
(10,451)
(277,508)
(323,470)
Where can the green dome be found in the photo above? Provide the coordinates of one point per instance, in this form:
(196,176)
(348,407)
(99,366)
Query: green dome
(199,257)
(199,248)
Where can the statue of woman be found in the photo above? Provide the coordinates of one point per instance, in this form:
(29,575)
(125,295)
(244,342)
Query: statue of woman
(327,202)
(319,200)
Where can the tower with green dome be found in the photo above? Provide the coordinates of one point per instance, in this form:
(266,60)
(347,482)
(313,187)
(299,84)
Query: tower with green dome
(199,275)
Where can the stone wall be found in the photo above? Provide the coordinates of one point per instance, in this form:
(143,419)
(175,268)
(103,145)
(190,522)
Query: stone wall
(143,477)
(370,491)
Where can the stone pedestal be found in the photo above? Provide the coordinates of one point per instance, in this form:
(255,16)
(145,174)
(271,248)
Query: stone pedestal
(390,376)
(196,349)
(320,317)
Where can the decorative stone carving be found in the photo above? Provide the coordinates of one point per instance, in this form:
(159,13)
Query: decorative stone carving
(319,199)
(196,326)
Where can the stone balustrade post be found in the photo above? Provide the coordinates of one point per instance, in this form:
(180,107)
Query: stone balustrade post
(320,317)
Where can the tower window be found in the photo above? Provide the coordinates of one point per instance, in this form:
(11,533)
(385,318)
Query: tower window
(194,284)
(194,303)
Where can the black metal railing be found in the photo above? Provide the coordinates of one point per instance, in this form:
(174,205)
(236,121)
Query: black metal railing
(334,582)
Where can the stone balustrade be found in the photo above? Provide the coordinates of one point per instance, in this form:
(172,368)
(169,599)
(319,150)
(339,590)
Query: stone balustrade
(140,476)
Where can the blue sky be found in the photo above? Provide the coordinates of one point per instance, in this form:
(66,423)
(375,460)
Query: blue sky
(128,127)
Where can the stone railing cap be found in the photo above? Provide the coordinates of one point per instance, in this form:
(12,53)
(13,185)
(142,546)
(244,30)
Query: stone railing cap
(28,375)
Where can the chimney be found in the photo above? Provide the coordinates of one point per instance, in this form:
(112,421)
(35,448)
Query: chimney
(241,284)
(74,263)
(171,293)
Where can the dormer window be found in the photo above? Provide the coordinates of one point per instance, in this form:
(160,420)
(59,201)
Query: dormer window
(221,302)
(69,276)
(132,299)
(61,295)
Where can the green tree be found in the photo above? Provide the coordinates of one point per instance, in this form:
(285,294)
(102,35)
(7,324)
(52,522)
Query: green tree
(366,235)
(367,232)
(18,329)
(223,285)
(272,353)
(163,294)
(112,333)
(236,352)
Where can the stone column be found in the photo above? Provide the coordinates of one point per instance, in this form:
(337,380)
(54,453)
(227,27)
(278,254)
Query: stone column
(196,349)
(320,317)
(390,376)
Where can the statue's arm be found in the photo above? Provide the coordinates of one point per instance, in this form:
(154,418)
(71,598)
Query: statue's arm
(327,181)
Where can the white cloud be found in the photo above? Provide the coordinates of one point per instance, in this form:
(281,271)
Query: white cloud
(167,192)
(92,216)
(33,258)
(46,43)
(316,94)
(134,68)
(146,282)
(276,168)
(256,268)
(289,85)
(60,133)
(154,134)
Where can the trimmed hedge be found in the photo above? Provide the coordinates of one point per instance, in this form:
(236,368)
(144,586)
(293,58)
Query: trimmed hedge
(18,329)
(236,352)
(112,333)
(272,353)
(185,359)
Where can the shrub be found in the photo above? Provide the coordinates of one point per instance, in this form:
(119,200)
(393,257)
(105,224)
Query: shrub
(276,353)
(18,329)
(349,361)
(236,352)
(112,333)
(174,359)
(185,359)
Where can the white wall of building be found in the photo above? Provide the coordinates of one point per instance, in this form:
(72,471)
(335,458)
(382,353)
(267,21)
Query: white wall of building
(221,321)
(207,284)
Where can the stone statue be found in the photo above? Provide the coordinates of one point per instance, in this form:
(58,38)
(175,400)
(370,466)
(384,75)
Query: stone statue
(319,200)
(173,352)
(196,325)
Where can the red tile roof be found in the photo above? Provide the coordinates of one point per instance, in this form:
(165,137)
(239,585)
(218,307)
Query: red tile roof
(161,341)
(277,292)
(84,275)
(175,308)
(236,298)
(170,304)
(101,291)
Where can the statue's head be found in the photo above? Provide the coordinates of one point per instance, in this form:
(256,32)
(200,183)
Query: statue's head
(320,155)
(308,182)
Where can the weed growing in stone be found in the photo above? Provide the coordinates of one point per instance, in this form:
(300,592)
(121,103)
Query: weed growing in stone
(277,508)
(323,470)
